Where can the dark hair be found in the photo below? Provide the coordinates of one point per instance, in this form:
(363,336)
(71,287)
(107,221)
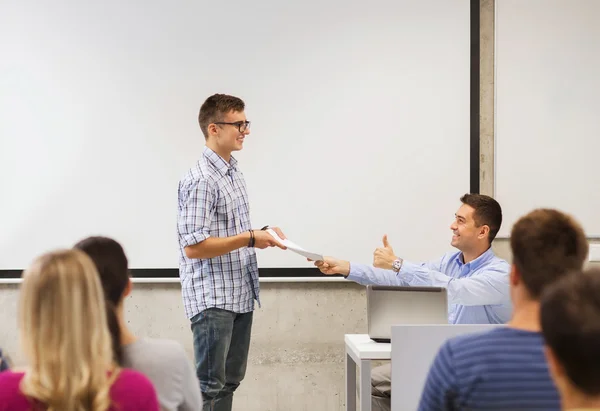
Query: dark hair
(570,317)
(112,265)
(214,109)
(4,362)
(545,245)
(487,212)
(115,332)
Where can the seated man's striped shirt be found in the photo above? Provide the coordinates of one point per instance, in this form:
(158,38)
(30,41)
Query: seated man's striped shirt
(501,369)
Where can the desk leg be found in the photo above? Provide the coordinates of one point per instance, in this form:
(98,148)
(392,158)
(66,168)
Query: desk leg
(365,385)
(350,384)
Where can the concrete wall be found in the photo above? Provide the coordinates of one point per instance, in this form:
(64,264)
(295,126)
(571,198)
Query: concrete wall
(296,358)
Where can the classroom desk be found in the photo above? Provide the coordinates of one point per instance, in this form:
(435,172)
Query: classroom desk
(360,351)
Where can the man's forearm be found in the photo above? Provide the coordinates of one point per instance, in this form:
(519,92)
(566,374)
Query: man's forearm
(369,275)
(217,246)
(487,288)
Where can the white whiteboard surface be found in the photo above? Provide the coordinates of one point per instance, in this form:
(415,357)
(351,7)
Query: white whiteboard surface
(360,116)
(548,108)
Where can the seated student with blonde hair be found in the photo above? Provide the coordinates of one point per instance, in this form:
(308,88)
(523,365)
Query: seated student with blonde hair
(163,361)
(570,317)
(65,337)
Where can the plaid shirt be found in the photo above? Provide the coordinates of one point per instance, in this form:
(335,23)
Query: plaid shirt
(213,202)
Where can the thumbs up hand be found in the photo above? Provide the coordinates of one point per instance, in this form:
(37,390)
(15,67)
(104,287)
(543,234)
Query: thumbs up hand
(384,257)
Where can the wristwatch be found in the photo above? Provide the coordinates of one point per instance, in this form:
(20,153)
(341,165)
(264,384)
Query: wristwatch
(397,265)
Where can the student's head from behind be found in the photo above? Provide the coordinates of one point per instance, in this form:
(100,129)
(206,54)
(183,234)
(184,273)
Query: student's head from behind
(223,122)
(64,332)
(113,270)
(546,244)
(112,265)
(476,223)
(570,318)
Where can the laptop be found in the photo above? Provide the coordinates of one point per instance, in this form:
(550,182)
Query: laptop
(393,305)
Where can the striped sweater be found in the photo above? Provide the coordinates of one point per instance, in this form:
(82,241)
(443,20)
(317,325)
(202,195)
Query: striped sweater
(502,369)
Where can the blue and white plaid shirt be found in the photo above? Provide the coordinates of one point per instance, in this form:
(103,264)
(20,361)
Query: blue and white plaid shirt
(213,202)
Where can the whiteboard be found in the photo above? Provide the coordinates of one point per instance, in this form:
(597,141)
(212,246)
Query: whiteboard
(547,108)
(360,121)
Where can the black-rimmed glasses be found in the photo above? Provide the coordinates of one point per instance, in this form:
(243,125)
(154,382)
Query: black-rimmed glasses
(241,125)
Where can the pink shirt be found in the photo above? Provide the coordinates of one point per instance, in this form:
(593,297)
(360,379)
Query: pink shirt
(131,391)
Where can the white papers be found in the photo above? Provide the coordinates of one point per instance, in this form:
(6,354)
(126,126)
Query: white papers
(296,248)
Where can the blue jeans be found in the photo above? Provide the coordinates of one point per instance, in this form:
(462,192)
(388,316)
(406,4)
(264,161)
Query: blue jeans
(221,343)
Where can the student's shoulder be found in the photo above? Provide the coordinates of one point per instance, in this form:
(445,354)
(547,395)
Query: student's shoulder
(449,257)
(477,337)
(10,379)
(500,263)
(168,352)
(200,174)
(162,343)
(493,341)
(10,393)
(159,344)
(133,389)
(462,351)
(130,380)
(197,172)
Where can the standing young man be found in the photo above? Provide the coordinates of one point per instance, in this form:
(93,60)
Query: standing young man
(217,264)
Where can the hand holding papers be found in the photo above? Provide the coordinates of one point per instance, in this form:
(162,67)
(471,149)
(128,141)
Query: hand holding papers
(296,248)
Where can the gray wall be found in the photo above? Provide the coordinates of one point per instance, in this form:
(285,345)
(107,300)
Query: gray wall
(296,358)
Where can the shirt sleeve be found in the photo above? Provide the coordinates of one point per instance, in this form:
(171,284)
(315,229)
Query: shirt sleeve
(491,286)
(441,386)
(190,386)
(10,394)
(197,205)
(152,403)
(369,275)
(146,392)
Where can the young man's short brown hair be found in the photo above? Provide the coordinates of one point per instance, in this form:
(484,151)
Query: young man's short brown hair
(487,212)
(570,317)
(214,109)
(545,245)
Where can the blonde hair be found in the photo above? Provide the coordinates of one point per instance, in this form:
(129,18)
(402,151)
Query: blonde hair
(64,334)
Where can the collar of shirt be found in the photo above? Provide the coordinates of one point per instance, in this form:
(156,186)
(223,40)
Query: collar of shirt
(478,262)
(218,162)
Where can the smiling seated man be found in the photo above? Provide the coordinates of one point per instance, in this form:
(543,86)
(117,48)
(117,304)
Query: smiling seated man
(476,279)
